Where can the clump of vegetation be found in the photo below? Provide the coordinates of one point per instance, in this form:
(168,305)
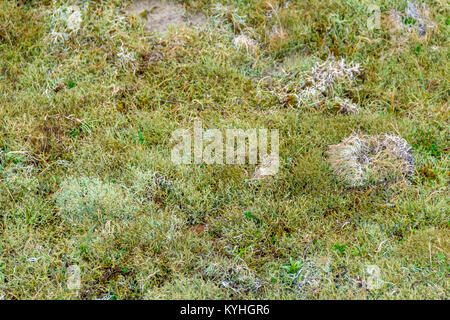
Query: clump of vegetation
(361,160)
(346,106)
(244,42)
(90,200)
(322,78)
(323,82)
(419,18)
(415,24)
(64,21)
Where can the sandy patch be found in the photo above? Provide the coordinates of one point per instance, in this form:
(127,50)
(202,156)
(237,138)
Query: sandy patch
(159,15)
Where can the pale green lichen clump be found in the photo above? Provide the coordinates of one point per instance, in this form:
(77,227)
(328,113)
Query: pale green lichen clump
(84,199)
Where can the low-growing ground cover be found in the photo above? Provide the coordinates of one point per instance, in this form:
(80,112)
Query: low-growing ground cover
(91,92)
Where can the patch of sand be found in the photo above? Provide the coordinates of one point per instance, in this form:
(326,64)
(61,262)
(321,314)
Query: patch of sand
(158,15)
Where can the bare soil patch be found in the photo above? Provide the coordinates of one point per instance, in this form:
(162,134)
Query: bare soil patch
(159,15)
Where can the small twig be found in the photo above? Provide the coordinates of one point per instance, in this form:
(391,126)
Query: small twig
(380,245)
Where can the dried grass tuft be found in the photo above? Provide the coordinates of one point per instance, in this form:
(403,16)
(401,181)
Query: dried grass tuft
(363,160)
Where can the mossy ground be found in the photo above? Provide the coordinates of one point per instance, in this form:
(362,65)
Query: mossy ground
(100,103)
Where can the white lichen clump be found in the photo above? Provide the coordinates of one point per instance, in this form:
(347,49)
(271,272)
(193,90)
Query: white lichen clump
(64,21)
(322,78)
(243,42)
(74,20)
(126,59)
(363,160)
